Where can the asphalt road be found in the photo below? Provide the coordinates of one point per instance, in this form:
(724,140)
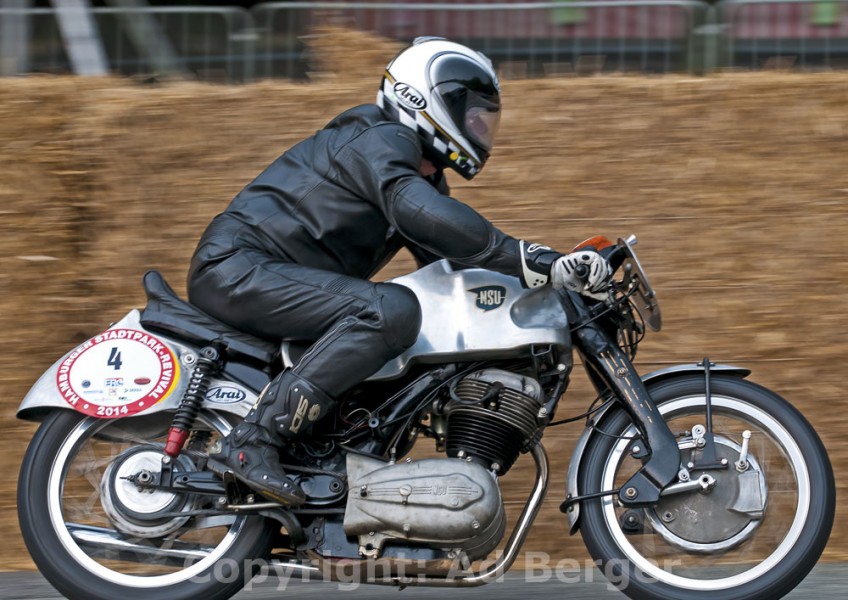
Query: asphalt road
(826,582)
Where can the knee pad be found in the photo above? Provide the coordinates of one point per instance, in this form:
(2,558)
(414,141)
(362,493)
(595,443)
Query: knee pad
(401,314)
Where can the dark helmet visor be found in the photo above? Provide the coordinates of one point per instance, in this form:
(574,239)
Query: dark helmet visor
(477,115)
(481,125)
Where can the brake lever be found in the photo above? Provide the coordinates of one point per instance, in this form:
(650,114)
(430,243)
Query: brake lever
(628,276)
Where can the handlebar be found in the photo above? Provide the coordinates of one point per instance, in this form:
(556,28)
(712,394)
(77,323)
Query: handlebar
(582,273)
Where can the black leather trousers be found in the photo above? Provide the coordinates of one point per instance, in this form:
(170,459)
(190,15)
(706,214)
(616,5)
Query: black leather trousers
(355,326)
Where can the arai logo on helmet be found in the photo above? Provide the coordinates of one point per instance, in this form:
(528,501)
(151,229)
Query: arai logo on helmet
(489,297)
(225,394)
(409,96)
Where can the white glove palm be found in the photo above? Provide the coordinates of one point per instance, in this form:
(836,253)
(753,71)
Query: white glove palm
(584,272)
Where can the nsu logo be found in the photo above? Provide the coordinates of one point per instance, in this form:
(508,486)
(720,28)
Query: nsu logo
(489,297)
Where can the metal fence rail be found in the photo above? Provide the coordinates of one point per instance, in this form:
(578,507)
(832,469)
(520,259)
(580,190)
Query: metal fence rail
(543,37)
(231,44)
(211,43)
(790,33)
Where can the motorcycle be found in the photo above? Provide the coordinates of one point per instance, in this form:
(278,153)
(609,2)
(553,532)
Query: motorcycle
(690,481)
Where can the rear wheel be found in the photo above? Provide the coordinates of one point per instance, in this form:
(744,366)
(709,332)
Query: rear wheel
(96,535)
(751,532)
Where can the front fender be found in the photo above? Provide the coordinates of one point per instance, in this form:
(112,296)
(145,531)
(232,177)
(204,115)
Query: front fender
(127,371)
(571,488)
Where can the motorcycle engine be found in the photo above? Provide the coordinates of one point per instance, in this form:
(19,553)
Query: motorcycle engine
(491,416)
(442,503)
(451,504)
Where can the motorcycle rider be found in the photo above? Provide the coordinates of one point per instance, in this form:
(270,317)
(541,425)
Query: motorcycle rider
(292,255)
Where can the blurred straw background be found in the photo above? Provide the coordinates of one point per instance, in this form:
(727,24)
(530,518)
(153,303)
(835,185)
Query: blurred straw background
(736,185)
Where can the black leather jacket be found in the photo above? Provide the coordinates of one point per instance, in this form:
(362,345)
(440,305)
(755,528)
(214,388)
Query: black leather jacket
(349,197)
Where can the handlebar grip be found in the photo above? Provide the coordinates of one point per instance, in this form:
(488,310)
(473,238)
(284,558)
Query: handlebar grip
(582,272)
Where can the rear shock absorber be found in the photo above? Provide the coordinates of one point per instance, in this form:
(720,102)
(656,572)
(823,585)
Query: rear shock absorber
(208,364)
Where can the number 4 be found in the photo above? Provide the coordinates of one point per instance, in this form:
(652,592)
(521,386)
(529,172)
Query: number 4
(115,359)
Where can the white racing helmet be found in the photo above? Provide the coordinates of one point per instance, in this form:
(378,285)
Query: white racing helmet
(450,95)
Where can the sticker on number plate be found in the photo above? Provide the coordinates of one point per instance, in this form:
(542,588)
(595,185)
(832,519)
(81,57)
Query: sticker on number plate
(118,373)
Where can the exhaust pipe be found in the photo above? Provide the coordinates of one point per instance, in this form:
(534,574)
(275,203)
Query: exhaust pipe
(108,543)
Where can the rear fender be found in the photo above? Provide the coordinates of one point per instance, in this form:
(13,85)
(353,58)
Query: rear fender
(571,488)
(124,372)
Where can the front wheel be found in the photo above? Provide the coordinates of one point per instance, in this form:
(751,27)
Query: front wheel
(754,532)
(96,535)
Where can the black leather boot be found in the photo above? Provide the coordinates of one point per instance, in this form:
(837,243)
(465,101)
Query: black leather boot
(288,407)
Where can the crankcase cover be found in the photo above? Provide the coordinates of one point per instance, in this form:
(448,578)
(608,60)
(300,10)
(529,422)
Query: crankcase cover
(445,503)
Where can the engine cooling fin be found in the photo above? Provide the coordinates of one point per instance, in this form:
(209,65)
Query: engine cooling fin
(491,417)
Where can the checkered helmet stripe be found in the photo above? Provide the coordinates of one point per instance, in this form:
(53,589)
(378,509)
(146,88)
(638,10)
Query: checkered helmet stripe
(431,136)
